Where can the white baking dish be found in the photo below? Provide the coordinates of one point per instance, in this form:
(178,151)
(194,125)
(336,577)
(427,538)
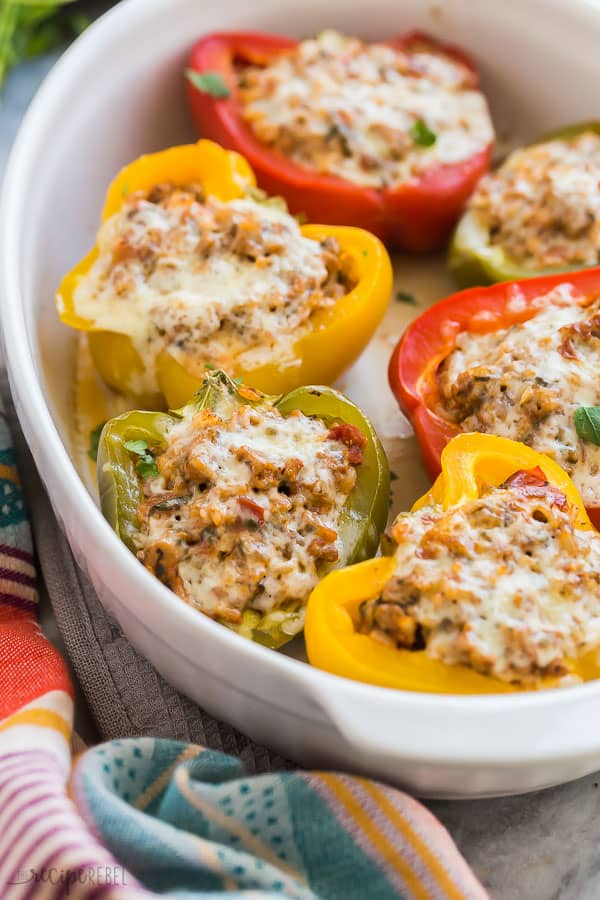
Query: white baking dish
(118,92)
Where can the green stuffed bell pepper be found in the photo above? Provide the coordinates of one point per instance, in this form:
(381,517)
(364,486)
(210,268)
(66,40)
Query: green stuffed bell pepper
(536,214)
(241,502)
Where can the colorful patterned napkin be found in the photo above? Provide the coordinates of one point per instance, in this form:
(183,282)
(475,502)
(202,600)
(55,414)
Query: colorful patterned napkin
(148,816)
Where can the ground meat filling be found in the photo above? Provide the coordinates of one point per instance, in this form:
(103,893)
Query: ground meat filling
(542,206)
(526,382)
(211,282)
(504,584)
(246,510)
(368,113)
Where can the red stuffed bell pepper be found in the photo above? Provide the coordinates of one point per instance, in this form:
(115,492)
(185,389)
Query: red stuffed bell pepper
(518,359)
(416,214)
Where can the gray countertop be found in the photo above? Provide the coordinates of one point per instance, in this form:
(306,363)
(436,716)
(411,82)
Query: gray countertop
(542,846)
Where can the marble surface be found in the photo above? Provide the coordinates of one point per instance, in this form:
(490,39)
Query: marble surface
(543,846)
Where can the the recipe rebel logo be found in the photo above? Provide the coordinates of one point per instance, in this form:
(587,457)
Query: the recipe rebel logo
(93,876)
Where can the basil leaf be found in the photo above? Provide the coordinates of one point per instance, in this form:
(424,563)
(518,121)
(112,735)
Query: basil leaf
(95,440)
(208,83)
(422,135)
(587,423)
(138,447)
(406,297)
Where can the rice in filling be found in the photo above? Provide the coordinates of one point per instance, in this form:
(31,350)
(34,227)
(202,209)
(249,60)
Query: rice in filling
(246,509)
(229,284)
(504,584)
(542,206)
(343,107)
(525,382)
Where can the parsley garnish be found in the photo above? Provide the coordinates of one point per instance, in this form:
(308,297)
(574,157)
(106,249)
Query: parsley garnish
(146,465)
(587,423)
(422,135)
(406,297)
(208,83)
(95,440)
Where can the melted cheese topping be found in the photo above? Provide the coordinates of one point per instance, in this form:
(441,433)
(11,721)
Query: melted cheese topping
(246,509)
(542,206)
(229,284)
(504,584)
(342,107)
(526,382)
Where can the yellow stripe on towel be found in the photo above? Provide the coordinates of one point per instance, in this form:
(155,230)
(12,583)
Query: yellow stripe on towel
(375,835)
(41,718)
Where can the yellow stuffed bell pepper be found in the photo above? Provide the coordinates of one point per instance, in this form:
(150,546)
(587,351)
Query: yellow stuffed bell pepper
(471,463)
(336,336)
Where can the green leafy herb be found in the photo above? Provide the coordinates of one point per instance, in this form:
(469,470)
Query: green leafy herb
(587,423)
(422,135)
(146,465)
(406,297)
(208,83)
(137,447)
(29,28)
(95,440)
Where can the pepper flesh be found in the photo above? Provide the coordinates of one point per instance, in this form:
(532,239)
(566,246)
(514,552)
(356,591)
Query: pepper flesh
(416,215)
(432,337)
(472,258)
(337,336)
(363,516)
(470,464)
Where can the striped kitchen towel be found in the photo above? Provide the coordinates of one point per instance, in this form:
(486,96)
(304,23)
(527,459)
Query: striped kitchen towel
(145,816)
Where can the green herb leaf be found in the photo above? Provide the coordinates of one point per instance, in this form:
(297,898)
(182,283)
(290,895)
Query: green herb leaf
(587,423)
(406,297)
(422,135)
(208,83)
(137,447)
(146,467)
(95,440)
(29,28)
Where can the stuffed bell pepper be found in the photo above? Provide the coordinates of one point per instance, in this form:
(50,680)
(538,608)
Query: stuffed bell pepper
(390,136)
(538,213)
(516,359)
(193,266)
(240,502)
(494,584)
